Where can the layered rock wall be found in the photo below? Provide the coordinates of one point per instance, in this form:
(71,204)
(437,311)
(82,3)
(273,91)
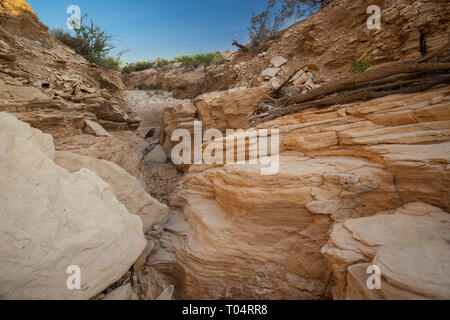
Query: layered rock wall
(236,234)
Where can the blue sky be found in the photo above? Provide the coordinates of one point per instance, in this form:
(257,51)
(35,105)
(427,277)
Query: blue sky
(160,28)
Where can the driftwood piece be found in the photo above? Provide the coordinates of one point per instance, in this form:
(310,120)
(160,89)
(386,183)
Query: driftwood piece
(286,83)
(240,46)
(401,86)
(396,78)
(376,74)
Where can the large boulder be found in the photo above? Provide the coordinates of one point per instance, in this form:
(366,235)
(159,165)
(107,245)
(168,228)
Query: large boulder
(411,248)
(126,187)
(53,219)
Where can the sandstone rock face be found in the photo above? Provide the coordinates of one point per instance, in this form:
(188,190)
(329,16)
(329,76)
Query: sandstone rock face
(122,293)
(228,109)
(410,246)
(238,235)
(180,116)
(53,219)
(96,129)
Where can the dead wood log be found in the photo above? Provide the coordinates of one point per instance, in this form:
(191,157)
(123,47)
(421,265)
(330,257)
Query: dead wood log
(240,46)
(286,83)
(364,94)
(376,74)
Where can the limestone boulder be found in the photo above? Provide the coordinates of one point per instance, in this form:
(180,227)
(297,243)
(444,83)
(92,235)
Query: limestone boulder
(269,73)
(126,188)
(53,219)
(278,61)
(410,246)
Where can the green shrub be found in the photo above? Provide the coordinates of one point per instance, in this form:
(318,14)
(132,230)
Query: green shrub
(111,63)
(91,42)
(361,65)
(187,61)
(138,66)
(161,64)
(191,62)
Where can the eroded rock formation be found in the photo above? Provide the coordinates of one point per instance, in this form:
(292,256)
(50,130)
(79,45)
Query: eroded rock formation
(237,234)
(53,219)
(409,245)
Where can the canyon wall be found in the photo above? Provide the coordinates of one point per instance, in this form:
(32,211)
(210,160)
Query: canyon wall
(64,205)
(236,234)
(306,232)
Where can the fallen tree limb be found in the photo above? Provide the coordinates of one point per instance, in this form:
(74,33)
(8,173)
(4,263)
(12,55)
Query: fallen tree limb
(377,74)
(286,83)
(240,46)
(396,87)
(396,78)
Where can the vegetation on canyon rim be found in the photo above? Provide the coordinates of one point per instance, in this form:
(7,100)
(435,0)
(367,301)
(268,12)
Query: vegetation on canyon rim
(91,42)
(277,15)
(95,44)
(189,62)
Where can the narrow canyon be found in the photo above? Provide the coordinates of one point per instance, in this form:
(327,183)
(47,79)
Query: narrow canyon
(87,176)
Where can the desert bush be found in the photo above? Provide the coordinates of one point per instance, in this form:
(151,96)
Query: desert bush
(137,66)
(187,61)
(191,62)
(161,64)
(111,63)
(91,42)
(361,65)
(277,15)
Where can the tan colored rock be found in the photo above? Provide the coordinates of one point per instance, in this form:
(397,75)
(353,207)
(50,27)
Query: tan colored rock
(300,78)
(157,155)
(49,85)
(167,294)
(269,73)
(228,109)
(278,61)
(23,93)
(61,220)
(122,293)
(46,143)
(96,129)
(328,42)
(126,187)
(140,262)
(411,247)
